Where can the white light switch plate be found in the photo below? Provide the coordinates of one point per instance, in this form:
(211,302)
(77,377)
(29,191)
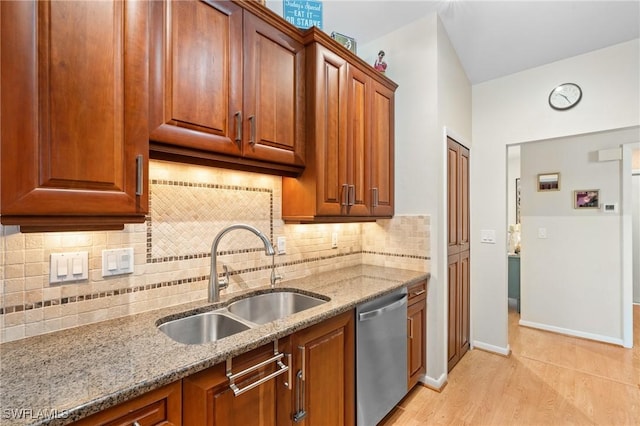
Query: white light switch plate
(68,267)
(117,262)
(542,233)
(488,236)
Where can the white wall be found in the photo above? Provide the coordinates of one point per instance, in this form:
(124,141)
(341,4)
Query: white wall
(514,109)
(571,281)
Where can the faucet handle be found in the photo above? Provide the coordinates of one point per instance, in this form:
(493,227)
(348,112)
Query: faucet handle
(224,282)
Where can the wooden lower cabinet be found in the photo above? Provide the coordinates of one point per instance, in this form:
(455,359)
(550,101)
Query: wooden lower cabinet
(208,399)
(324,391)
(162,406)
(318,390)
(416,335)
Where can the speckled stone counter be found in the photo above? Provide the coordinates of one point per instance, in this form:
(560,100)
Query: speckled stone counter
(77,372)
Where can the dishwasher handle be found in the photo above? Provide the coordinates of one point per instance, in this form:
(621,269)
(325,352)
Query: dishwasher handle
(365,316)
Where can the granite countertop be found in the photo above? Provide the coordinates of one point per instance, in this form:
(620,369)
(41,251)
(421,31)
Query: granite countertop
(60,377)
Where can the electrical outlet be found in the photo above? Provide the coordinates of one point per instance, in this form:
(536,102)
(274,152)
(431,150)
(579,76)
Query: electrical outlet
(542,233)
(334,240)
(282,245)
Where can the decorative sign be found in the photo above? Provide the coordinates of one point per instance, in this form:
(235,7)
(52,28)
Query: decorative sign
(303,13)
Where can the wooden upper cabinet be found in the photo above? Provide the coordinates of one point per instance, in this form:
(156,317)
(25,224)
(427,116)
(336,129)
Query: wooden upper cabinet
(274,109)
(350,140)
(196,84)
(225,81)
(382,150)
(358,143)
(74,114)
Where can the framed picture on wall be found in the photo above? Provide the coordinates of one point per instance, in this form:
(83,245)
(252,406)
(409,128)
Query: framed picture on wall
(549,181)
(517,200)
(586,199)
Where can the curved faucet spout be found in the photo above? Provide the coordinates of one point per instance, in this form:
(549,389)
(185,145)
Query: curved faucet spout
(214,284)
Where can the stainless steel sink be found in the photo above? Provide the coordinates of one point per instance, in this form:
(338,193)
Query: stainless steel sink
(202,328)
(267,307)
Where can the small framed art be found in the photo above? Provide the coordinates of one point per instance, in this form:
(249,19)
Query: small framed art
(346,41)
(586,199)
(549,181)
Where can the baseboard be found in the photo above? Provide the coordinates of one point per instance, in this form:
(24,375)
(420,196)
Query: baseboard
(435,384)
(492,348)
(573,333)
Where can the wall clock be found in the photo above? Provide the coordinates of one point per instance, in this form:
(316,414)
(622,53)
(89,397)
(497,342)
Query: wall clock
(565,96)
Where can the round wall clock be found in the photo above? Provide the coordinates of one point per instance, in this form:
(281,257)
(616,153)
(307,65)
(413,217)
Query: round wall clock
(565,96)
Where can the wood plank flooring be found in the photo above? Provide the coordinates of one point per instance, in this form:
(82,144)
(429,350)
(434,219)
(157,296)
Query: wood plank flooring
(549,379)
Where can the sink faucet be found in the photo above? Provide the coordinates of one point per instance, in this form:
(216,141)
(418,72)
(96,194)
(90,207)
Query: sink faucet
(216,285)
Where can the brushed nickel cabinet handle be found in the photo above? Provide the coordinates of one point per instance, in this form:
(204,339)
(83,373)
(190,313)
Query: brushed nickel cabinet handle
(374,194)
(410,328)
(238,116)
(345,195)
(252,126)
(300,413)
(139,174)
(233,376)
(352,195)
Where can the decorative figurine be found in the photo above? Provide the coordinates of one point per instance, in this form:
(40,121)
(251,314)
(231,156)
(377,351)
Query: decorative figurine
(380,64)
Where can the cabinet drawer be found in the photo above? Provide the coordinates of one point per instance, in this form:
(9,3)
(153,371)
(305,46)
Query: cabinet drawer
(162,406)
(417,291)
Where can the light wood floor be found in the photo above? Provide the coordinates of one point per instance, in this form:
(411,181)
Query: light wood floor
(549,379)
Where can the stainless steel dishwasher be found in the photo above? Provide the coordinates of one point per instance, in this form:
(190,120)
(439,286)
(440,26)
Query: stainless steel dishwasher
(381,356)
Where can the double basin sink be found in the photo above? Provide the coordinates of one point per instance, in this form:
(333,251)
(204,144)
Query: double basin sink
(238,316)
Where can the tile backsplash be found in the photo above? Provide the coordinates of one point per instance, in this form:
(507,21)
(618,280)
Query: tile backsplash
(189,205)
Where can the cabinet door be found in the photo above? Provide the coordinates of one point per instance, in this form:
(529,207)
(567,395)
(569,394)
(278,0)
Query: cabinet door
(274,107)
(74,113)
(324,367)
(416,333)
(416,313)
(209,401)
(158,407)
(358,142)
(329,129)
(196,75)
(382,150)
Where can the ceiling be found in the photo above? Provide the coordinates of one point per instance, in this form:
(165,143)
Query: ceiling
(495,38)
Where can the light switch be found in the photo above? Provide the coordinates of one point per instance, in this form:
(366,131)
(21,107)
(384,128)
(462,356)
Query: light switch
(62,267)
(76,266)
(112,263)
(542,233)
(488,236)
(124,261)
(334,240)
(117,262)
(68,267)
